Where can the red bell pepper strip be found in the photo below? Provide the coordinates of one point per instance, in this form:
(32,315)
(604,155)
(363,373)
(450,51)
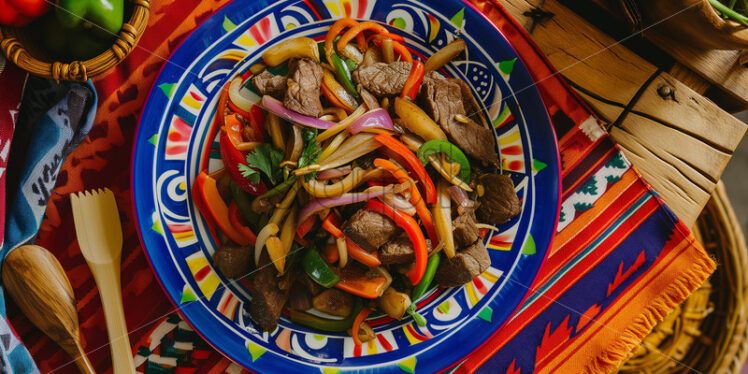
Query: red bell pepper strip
(415,197)
(414,234)
(236,219)
(370,259)
(330,224)
(233,128)
(357,324)
(330,253)
(362,286)
(413,83)
(232,157)
(411,163)
(17,13)
(358,30)
(255,118)
(213,206)
(335,30)
(203,209)
(305,226)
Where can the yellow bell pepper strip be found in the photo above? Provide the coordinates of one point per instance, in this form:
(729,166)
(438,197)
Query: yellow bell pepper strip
(415,196)
(433,147)
(324,324)
(413,83)
(412,163)
(329,93)
(397,46)
(357,324)
(213,206)
(232,158)
(317,269)
(343,74)
(335,30)
(443,218)
(414,233)
(236,221)
(360,285)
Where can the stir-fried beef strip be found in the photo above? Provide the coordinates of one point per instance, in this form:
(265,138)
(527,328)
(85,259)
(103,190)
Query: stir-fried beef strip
(334,301)
(499,202)
(383,79)
(232,261)
(268,84)
(299,298)
(443,100)
(464,266)
(268,298)
(303,87)
(399,251)
(370,230)
(464,229)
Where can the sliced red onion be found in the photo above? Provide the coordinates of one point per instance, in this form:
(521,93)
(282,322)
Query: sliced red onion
(276,107)
(316,205)
(333,173)
(377,118)
(397,202)
(460,197)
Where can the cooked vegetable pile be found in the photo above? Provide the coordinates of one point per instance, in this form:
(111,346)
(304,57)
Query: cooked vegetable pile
(355,182)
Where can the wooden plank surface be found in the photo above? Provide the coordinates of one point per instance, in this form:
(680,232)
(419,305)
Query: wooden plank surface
(719,67)
(680,142)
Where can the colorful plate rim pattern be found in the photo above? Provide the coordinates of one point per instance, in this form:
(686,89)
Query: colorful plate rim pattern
(175,139)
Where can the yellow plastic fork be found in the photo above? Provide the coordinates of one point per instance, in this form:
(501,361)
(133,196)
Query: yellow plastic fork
(100,239)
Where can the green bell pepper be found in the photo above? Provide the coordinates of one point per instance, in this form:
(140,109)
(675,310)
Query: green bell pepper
(343,74)
(244,203)
(106,14)
(436,146)
(318,269)
(325,324)
(75,43)
(422,286)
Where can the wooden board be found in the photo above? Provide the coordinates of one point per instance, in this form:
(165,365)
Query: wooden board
(680,143)
(719,67)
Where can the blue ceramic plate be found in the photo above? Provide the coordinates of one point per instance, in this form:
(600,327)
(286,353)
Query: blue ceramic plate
(175,140)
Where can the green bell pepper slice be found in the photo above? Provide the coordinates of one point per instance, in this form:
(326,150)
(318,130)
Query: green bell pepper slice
(318,269)
(428,276)
(244,203)
(436,146)
(106,14)
(325,324)
(343,74)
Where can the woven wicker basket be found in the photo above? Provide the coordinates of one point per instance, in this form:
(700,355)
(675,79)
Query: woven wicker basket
(707,333)
(18,47)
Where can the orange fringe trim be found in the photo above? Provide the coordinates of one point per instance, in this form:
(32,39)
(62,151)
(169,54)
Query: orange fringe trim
(674,294)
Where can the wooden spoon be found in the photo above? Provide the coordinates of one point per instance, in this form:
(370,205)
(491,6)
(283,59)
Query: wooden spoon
(38,284)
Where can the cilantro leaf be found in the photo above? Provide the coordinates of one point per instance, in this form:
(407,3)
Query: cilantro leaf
(311,151)
(249,173)
(265,158)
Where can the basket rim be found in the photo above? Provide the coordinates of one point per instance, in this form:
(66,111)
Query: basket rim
(79,71)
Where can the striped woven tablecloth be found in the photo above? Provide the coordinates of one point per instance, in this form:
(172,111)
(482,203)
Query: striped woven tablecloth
(620,260)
